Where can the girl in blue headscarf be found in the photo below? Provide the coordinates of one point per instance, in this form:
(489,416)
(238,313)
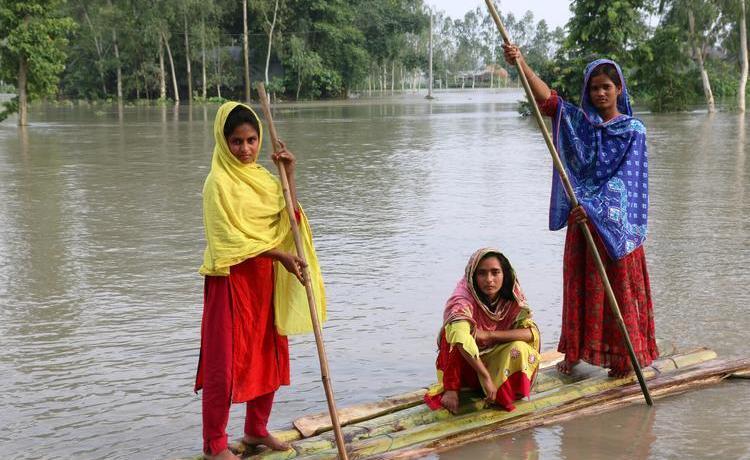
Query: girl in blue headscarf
(603,150)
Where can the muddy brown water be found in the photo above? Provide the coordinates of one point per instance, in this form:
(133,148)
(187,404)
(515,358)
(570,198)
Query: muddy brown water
(100,301)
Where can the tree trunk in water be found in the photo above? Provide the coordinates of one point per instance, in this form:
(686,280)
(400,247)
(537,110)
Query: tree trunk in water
(218,71)
(429,82)
(99,51)
(116,50)
(23,68)
(171,66)
(187,59)
(162,73)
(743,59)
(299,82)
(698,52)
(270,38)
(245,51)
(119,65)
(393,76)
(203,58)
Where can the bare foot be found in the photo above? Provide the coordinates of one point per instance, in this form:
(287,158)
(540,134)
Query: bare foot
(270,441)
(565,367)
(620,373)
(225,454)
(450,401)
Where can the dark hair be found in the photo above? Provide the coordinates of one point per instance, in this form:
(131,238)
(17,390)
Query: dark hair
(608,70)
(509,279)
(239,116)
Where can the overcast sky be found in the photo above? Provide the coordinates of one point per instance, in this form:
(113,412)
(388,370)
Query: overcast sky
(555,12)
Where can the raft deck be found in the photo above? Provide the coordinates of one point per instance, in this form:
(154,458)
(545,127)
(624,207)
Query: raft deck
(401,426)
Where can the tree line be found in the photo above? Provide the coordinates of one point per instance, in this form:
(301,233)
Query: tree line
(674,52)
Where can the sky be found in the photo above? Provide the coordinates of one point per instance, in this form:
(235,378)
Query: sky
(555,12)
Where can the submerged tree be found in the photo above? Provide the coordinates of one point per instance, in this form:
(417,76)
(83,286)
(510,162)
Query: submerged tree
(33,38)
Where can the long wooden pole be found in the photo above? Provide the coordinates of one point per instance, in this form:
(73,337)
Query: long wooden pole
(574,202)
(306,276)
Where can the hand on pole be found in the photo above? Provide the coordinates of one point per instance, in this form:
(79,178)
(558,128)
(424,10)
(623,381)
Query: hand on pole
(579,215)
(285,156)
(294,265)
(512,54)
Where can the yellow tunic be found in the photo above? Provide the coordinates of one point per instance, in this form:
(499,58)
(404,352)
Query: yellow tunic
(501,360)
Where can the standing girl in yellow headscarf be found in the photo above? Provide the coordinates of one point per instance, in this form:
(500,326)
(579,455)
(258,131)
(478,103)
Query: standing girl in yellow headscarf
(253,296)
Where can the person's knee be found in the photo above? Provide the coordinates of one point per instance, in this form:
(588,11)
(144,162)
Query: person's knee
(521,345)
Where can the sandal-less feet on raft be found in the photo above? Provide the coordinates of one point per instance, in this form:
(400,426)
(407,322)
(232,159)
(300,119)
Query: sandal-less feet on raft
(270,441)
(450,401)
(565,367)
(620,373)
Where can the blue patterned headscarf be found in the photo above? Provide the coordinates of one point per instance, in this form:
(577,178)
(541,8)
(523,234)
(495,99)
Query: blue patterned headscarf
(607,164)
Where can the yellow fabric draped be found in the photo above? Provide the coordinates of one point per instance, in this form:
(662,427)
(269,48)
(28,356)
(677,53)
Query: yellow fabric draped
(244,215)
(459,333)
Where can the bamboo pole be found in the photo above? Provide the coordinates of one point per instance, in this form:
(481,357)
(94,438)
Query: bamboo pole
(574,202)
(417,425)
(306,277)
(547,379)
(310,425)
(667,385)
(587,391)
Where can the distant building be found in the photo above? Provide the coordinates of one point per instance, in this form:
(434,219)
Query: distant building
(492,75)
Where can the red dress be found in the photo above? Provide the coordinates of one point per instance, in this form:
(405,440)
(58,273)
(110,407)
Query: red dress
(243,358)
(589,329)
(260,356)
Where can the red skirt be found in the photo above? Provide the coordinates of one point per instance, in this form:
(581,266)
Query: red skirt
(589,329)
(260,356)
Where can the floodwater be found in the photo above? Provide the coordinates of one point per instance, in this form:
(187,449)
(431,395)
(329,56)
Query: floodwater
(100,300)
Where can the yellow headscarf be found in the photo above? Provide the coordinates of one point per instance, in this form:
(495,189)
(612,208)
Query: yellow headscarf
(244,215)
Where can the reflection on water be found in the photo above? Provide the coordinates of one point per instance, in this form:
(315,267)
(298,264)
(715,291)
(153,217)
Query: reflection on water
(629,436)
(102,237)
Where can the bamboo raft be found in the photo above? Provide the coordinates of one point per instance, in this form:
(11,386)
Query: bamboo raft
(402,427)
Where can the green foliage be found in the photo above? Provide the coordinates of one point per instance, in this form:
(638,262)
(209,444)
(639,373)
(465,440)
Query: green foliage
(666,77)
(33,31)
(724,77)
(612,29)
(9,108)
(327,48)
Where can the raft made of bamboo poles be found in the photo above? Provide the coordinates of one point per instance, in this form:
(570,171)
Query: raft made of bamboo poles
(403,427)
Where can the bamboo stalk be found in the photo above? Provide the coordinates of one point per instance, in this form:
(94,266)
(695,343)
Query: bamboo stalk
(406,436)
(306,277)
(668,385)
(420,424)
(574,202)
(310,425)
(583,391)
